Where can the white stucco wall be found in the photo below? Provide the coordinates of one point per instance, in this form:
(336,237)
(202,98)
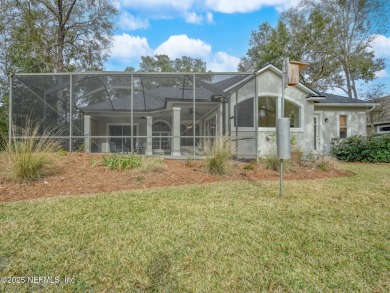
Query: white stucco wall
(329,122)
(270,84)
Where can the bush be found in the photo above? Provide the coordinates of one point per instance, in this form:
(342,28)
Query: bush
(152,164)
(218,156)
(29,158)
(121,162)
(272,163)
(325,164)
(374,148)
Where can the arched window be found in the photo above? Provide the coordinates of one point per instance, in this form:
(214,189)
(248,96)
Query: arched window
(160,133)
(268,112)
(161,126)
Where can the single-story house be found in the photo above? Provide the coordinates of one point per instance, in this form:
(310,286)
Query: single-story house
(175,114)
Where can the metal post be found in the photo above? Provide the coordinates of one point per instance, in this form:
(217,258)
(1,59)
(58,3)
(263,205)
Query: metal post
(256,120)
(281,178)
(70,113)
(285,60)
(132,113)
(193,112)
(236,123)
(284,73)
(11,84)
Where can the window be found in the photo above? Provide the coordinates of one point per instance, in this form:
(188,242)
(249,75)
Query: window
(384,129)
(244,113)
(160,133)
(343,126)
(268,112)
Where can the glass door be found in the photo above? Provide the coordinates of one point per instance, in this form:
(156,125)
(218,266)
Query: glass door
(120,140)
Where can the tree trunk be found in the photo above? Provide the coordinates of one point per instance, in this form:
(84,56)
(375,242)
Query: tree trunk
(60,38)
(348,80)
(355,94)
(59,67)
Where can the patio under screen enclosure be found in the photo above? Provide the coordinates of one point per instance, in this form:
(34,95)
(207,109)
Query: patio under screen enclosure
(171,114)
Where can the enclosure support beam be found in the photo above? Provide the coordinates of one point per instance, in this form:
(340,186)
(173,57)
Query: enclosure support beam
(193,113)
(11,84)
(256,120)
(176,131)
(71,113)
(132,113)
(87,133)
(149,134)
(236,123)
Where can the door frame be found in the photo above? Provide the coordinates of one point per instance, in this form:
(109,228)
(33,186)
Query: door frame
(122,124)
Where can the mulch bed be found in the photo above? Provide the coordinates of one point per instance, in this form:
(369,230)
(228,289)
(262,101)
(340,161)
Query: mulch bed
(76,175)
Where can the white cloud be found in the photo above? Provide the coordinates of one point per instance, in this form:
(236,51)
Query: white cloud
(116,4)
(186,8)
(242,6)
(381,46)
(127,47)
(127,50)
(381,74)
(221,62)
(210,17)
(194,18)
(129,22)
(181,45)
(181,5)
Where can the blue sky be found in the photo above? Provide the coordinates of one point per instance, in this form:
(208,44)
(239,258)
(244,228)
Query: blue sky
(218,31)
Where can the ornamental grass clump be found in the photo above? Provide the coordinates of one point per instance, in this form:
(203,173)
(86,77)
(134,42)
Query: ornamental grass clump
(218,156)
(29,156)
(152,164)
(121,162)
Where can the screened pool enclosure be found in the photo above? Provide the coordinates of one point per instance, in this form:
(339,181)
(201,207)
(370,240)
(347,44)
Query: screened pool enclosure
(171,114)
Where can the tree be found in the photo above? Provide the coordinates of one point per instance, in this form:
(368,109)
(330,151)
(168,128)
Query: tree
(335,36)
(58,35)
(55,36)
(162,63)
(375,94)
(3,120)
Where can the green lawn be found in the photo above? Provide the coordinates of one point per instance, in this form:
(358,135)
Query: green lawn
(324,235)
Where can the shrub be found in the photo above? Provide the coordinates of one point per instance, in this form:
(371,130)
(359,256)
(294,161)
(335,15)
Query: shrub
(218,156)
(249,167)
(374,148)
(30,157)
(325,164)
(152,164)
(121,162)
(272,163)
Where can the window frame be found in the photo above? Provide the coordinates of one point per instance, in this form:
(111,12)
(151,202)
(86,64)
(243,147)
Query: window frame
(292,101)
(349,123)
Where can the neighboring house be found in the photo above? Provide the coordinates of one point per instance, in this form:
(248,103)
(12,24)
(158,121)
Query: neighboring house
(170,114)
(378,120)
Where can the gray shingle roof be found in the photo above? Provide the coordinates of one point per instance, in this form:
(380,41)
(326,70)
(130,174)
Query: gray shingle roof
(151,100)
(155,99)
(336,99)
